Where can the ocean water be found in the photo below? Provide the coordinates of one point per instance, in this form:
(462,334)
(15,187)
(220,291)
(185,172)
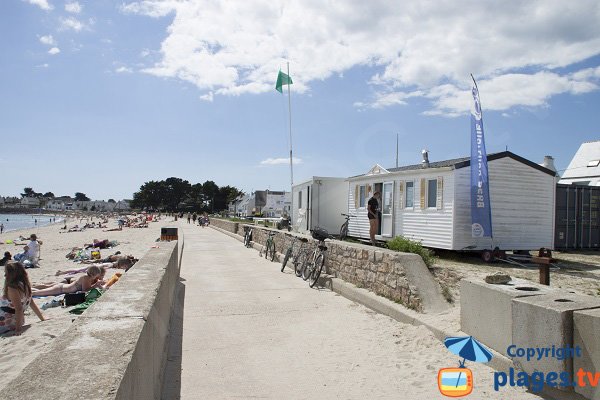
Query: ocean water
(13,222)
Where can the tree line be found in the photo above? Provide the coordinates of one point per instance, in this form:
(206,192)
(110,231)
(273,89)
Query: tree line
(176,194)
(29,192)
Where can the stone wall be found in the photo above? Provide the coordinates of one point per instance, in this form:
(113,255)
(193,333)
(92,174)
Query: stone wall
(381,271)
(225,225)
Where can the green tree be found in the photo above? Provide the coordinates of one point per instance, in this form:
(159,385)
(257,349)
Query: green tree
(49,195)
(177,191)
(81,197)
(28,192)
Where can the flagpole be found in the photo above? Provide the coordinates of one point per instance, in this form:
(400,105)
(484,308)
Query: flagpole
(291,158)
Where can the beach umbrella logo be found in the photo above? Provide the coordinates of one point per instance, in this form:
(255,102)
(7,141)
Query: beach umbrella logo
(458,382)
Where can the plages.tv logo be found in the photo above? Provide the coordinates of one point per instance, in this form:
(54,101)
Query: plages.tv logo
(458,382)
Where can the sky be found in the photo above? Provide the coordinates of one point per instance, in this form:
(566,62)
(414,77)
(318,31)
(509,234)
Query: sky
(101,96)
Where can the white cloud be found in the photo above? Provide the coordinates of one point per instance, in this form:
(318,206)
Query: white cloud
(123,70)
(43,65)
(43,4)
(421,49)
(208,97)
(54,50)
(282,160)
(71,23)
(73,7)
(48,39)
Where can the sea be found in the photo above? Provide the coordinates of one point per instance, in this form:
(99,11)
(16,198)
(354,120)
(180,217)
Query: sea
(13,222)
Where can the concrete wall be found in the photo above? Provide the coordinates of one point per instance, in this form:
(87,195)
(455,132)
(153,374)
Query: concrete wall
(586,326)
(117,349)
(401,277)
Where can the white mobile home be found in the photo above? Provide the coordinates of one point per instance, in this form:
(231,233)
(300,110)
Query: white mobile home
(320,201)
(431,203)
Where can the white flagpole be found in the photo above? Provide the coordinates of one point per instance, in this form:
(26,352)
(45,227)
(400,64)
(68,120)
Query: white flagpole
(291,158)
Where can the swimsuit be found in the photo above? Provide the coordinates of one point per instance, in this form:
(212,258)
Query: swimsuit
(7,313)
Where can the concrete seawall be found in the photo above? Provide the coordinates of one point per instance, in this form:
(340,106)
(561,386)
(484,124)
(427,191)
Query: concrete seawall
(117,349)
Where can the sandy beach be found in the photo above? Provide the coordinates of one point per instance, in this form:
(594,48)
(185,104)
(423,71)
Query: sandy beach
(16,352)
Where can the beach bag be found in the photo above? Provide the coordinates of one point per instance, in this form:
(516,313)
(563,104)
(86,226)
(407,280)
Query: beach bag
(95,255)
(72,299)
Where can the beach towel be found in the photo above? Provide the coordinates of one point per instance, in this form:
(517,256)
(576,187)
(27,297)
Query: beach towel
(90,298)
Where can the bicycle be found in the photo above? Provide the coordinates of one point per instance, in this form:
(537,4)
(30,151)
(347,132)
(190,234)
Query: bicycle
(344,228)
(313,269)
(270,247)
(300,255)
(247,236)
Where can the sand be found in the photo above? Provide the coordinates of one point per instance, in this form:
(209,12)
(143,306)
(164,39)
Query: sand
(16,352)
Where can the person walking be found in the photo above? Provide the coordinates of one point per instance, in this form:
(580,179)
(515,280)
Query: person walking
(373,214)
(1,228)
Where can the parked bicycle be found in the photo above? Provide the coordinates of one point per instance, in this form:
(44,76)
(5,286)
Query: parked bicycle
(344,228)
(299,253)
(313,268)
(247,236)
(270,247)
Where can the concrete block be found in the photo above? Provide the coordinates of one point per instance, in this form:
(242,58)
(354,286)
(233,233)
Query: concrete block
(586,329)
(545,321)
(486,309)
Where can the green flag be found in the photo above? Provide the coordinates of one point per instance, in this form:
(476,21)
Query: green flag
(282,79)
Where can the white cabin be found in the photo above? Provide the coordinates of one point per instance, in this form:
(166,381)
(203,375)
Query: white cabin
(320,201)
(433,204)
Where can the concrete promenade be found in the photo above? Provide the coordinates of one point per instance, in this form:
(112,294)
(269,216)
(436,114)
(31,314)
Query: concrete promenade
(246,330)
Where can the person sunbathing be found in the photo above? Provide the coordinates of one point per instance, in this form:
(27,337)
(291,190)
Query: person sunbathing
(92,279)
(122,263)
(98,244)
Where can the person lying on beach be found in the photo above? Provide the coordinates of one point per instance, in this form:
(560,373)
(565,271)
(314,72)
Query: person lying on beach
(16,297)
(98,244)
(91,279)
(112,258)
(123,263)
(23,255)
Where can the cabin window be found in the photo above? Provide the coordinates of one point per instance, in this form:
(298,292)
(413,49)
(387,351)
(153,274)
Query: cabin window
(432,193)
(410,194)
(299,199)
(362,196)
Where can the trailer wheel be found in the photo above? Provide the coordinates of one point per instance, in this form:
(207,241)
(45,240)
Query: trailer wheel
(487,256)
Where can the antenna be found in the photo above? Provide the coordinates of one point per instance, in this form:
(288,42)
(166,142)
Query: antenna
(396,150)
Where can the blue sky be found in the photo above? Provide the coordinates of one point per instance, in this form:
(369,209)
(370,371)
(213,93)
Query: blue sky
(102,96)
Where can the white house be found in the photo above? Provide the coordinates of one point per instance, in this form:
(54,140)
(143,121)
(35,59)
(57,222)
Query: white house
(584,168)
(431,203)
(277,204)
(320,202)
(30,202)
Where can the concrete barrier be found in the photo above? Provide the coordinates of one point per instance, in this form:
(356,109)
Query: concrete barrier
(486,309)
(545,321)
(117,349)
(586,326)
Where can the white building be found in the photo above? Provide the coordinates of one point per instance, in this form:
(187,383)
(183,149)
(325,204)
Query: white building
(277,204)
(433,204)
(29,202)
(320,202)
(584,168)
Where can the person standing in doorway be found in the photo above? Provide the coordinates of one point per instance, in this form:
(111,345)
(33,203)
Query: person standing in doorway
(373,214)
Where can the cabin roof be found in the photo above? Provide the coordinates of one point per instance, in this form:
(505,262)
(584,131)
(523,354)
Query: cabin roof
(585,163)
(457,163)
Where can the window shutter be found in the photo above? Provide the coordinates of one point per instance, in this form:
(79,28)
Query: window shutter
(401,194)
(423,187)
(356,194)
(440,193)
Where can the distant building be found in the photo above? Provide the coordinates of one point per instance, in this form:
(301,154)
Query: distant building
(584,168)
(29,202)
(267,203)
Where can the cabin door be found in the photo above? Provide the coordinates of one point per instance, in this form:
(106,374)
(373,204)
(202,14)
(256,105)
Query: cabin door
(387,209)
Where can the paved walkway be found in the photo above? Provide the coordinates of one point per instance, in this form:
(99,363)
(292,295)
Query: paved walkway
(250,331)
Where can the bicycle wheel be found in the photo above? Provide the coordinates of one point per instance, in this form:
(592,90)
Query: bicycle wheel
(299,262)
(288,254)
(308,267)
(271,251)
(344,231)
(316,270)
